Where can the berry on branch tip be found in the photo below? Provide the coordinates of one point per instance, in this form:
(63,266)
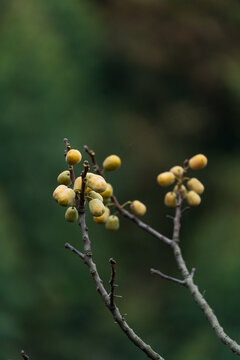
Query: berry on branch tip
(111,163)
(73,157)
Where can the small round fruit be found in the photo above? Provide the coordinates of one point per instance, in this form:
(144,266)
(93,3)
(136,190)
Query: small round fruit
(165,178)
(64,178)
(94,195)
(77,184)
(198,162)
(96,207)
(58,190)
(108,192)
(96,183)
(66,197)
(111,163)
(138,208)
(71,214)
(73,157)
(170,199)
(112,223)
(195,185)
(183,190)
(103,218)
(177,170)
(193,199)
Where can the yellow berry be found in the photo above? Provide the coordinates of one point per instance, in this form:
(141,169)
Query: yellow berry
(111,163)
(166,178)
(77,184)
(96,182)
(103,218)
(94,195)
(177,170)
(66,197)
(193,199)
(198,162)
(96,207)
(138,208)
(170,199)
(71,214)
(112,223)
(183,190)
(195,185)
(73,157)
(108,192)
(64,178)
(58,190)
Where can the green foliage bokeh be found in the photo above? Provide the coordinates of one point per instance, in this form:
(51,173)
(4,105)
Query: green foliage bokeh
(154,83)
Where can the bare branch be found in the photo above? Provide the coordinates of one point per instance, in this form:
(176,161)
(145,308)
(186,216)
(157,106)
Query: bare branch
(70,247)
(111,281)
(164,276)
(24,355)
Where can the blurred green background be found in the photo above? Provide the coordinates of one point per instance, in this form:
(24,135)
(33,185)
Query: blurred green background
(154,82)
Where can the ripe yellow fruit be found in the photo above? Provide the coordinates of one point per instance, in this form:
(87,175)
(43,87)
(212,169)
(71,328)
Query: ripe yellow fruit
(193,199)
(64,178)
(73,157)
(111,163)
(138,208)
(71,214)
(183,190)
(165,178)
(96,207)
(177,170)
(94,195)
(96,182)
(66,197)
(170,199)
(195,185)
(108,192)
(103,218)
(198,162)
(58,190)
(112,223)
(77,184)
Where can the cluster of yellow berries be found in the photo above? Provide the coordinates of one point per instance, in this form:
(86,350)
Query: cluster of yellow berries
(97,191)
(193,189)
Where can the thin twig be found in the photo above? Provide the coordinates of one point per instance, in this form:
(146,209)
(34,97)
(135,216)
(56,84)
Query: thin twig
(24,355)
(96,167)
(70,247)
(164,276)
(111,281)
(187,277)
(87,258)
(70,167)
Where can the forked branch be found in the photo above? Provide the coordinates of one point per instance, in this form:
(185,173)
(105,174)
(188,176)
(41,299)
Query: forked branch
(187,276)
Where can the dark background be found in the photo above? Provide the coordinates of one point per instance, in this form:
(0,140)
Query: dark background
(154,82)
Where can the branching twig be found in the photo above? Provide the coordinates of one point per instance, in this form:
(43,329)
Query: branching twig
(170,278)
(87,258)
(24,355)
(187,277)
(70,247)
